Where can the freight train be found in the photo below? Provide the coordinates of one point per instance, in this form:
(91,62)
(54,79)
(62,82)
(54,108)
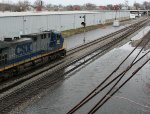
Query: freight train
(20,54)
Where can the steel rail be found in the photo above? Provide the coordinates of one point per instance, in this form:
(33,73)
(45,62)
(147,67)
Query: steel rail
(97,106)
(109,96)
(90,96)
(82,101)
(102,38)
(79,48)
(55,80)
(111,89)
(81,57)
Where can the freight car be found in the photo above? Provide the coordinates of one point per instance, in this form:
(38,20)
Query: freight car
(29,51)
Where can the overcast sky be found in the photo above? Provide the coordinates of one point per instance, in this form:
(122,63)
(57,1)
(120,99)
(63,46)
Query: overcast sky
(81,2)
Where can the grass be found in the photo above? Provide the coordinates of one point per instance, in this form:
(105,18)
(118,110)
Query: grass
(71,32)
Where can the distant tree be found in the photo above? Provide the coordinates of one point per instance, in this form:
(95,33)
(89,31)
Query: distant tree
(56,7)
(39,4)
(49,7)
(110,7)
(90,6)
(69,8)
(116,7)
(83,7)
(146,5)
(121,6)
(8,7)
(137,6)
(60,7)
(126,3)
(23,5)
(76,7)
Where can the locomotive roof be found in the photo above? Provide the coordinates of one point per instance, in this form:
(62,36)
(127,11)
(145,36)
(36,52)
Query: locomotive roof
(40,33)
(20,40)
(4,44)
(24,38)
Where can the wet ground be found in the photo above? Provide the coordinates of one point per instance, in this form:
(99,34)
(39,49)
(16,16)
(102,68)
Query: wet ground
(89,36)
(133,98)
(77,40)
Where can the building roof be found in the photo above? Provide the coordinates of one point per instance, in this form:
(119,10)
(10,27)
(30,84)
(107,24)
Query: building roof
(34,13)
(8,14)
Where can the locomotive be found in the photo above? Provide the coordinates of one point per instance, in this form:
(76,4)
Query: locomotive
(28,51)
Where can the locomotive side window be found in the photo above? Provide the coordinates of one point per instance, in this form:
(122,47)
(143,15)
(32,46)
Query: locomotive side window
(44,35)
(34,38)
(52,40)
(58,39)
(53,35)
(0,59)
(5,58)
(49,35)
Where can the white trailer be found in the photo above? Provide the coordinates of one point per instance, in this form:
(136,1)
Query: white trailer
(132,16)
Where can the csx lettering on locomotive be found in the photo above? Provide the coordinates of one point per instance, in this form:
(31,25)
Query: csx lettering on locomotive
(23,49)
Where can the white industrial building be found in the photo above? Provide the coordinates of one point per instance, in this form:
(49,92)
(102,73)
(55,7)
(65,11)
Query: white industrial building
(15,24)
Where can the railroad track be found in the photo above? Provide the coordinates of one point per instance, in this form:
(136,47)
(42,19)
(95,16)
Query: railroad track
(73,50)
(50,80)
(107,82)
(69,52)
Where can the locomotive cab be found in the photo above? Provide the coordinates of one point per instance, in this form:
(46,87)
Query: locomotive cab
(56,41)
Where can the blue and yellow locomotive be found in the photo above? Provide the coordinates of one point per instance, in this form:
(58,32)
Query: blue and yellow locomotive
(28,51)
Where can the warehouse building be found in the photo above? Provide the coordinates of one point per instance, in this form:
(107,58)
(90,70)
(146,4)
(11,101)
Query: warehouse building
(18,23)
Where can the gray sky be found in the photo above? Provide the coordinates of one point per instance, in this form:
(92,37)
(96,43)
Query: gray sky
(81,2)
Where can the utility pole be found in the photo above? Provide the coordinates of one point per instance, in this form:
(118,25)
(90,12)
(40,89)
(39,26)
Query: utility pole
(127,4)
(84,25)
